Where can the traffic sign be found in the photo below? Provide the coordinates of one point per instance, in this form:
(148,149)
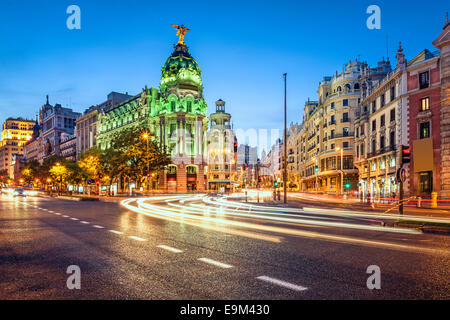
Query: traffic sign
(401,174)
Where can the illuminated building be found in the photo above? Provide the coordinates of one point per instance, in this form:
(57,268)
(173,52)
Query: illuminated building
(16,132)
(55,122)
(379,131)
(87,125)
(442,42)
(174,115)
(222,150)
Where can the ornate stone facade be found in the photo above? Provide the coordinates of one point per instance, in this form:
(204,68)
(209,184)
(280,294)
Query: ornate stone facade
(175,115)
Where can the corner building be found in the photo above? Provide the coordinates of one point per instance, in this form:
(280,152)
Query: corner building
(175,115)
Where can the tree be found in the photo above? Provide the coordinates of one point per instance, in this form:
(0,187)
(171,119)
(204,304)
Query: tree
(130,154)
(31,171)
(76,175)
(4,176)
(59,173)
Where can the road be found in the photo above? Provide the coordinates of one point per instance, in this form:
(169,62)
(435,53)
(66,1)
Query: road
(199,247)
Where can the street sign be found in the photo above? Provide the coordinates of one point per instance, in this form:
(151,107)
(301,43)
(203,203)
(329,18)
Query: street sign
(401,174)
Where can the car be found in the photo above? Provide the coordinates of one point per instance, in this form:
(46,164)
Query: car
(18,192)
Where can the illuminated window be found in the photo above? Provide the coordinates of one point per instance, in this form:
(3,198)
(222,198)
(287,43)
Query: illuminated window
(424,130)
(424,104)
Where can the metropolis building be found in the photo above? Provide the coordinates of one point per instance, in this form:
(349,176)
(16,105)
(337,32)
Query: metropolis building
(175,115)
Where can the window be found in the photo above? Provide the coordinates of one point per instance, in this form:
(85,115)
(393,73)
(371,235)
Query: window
(392,139)
(382,142)
(172,106)
(424,130)
(333,120)
(382,100)
(374,106)
(374,125)
(345,102)
(362,150)
(374,146)
(392,93)
(332,146)
(426,181)
(347,162)
(392,115)
(345,132)
(345,117)
(189,106)
(382,121)
(362,130)
(425,104)
(345,144)
(332,134)
(424,80)
(332,105)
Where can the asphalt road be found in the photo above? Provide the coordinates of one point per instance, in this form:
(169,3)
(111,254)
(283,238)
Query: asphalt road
(210,248)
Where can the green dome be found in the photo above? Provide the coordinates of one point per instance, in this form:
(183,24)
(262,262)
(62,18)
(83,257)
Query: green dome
(181,69)
(180,58)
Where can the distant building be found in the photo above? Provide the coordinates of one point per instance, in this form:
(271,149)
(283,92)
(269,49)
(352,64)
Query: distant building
(222,156)
(247,161)
(33,149)
(68,147)
(87,125)
(16,132)
(55,121)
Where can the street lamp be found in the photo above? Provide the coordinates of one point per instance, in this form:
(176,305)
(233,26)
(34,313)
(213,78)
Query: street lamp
(341,171)
(146,137)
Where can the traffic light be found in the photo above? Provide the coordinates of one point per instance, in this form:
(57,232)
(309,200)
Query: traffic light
(347,185)
(275,184)
(316,168)
(406,155)
(259,179)
(235,147)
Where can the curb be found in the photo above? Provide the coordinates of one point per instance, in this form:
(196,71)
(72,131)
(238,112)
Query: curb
(423,228)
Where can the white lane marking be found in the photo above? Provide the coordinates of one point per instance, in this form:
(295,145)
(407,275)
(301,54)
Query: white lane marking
(97,226)
(58,214)
(216,263)
(75,219)
(169,248)
(84,222)
(65,216)
(51,211)
(115,231)
(136,238)
(282,283)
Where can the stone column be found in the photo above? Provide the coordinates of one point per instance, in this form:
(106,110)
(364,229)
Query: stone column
(201,179)
(181,178)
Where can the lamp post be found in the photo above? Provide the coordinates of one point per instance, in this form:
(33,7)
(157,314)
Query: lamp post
(342,169)
(285,143)
(146,137)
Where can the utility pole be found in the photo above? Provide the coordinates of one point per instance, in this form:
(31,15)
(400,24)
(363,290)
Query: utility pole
(285,143)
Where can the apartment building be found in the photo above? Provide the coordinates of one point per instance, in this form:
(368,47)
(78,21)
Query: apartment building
(87,124)
(222,151)
(380,129)
(328,131)
(15,133)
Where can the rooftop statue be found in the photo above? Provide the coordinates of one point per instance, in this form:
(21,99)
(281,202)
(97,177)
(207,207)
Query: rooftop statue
(181,32)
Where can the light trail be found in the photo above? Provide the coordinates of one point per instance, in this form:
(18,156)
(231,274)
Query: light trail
(184,215)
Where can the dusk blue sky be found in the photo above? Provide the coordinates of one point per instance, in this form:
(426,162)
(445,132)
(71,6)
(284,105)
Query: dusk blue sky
(243,48)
